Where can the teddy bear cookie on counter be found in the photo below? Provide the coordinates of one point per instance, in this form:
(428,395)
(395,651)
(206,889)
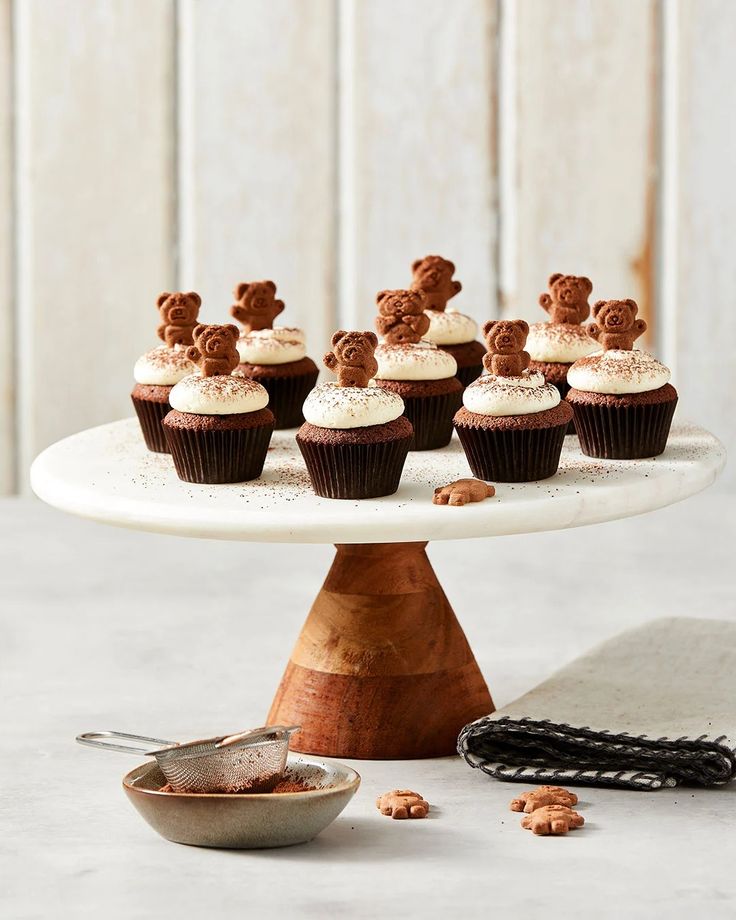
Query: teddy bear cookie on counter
(449,330)
(274,356)
(622,398)
(219,426)
(156,371)
(419,372)
(355,437)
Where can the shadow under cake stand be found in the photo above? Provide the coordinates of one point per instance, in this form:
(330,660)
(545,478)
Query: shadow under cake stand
(382,668)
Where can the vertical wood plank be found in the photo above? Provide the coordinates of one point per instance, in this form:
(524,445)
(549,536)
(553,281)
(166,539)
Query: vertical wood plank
(95,192)
(418,105)
(583,177)
(705,268)
(257,154)
(7,249)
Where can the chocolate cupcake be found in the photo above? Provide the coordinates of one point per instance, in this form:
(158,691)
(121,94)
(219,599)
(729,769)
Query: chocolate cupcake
(157,371)
(275,357)
(219,426)
(419,372)
(449,330)
(622,399)
(355,438)
(512,425)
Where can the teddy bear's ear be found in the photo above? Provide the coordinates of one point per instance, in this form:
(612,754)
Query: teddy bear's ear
(340,334)
(450,266)
(198,330)
(162,298)
(271,286)
(597,307)
(233,330)
(587,284)
(632,304)
(372,338)
(489,325)
(241,289)
(381,295)
(522,325)
(553,278)
(415,264)
(193,295)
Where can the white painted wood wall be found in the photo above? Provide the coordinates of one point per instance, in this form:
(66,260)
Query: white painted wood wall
(154,144)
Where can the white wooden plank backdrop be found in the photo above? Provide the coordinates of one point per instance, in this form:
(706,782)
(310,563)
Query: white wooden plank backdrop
(147,144)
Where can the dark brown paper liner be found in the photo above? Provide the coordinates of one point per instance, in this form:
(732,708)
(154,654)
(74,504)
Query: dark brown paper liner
(431,417)
(219,455)
(512,455)
(466,375)
(150,415)
(563,388)
(354,470)
(623,432)
(286,397)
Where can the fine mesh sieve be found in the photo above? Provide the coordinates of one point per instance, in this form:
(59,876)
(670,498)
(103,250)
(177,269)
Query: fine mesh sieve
(250,761)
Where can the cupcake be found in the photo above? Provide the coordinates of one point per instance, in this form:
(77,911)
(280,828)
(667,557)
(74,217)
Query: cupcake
(622,399)
(219,426)
(419,372)
(355,438)
(449,330)
(276,358)
(158,370)
(512,425)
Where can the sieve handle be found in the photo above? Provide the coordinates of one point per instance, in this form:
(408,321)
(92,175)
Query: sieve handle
(99,739)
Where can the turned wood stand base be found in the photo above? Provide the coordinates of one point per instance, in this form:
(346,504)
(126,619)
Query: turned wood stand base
(382,668)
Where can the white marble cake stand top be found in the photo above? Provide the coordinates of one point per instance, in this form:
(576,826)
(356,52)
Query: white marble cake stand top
(107,474)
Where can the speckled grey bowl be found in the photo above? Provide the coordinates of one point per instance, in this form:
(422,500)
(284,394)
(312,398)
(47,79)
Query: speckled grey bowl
(245,821)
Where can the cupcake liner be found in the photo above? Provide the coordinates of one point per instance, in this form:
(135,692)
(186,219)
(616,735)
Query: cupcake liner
(354,470)
(623,432)
(432,417)
(466,375)
(563,387)
(150,415)
(286,396)
(512,454)
(218,455)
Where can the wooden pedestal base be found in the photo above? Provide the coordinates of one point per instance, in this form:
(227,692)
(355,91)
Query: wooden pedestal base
(382,669)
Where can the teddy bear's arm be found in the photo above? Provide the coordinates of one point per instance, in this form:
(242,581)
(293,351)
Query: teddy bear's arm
(194,354)
(278,307)
(385,324)
(594,331)
(239,312)
(330,361)
(545,302)
(640,327)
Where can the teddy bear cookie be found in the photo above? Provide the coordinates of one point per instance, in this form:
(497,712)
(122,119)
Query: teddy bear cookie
(543,795)
(274,356)
(462,492)
(552,820)
(419,372)
(567,300)
(355,436)
(621,396)
(449,330)
(401,804)
(219,426)
(156,371)
(512,423)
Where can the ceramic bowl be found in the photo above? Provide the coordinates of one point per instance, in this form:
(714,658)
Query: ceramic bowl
(246,821)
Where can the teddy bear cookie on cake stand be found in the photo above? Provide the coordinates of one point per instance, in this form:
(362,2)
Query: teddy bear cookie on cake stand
(276,357)
(219,426)
(512,425)
(419,372)
(621,396)
(355,438)
(157,371)
(449,330)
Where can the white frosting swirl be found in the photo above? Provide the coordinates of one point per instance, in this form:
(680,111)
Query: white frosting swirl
(450,328)
(223,394)
(271,346)
(559,342)
(162,366)
(332,406)
(618,372)
(423,361)
(497,396)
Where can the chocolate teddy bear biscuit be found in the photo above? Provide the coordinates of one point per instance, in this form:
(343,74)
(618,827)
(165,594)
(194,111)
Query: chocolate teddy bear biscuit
(552,820)
(433,277)
(214,349)
(616,326)
(352,359)
(179,313)
(463,491)
(505,341)
(567,301)
(543,795)
(401,319)
(402,803)
(257,306)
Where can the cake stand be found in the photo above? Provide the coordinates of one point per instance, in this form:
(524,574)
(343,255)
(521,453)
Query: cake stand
(382,668)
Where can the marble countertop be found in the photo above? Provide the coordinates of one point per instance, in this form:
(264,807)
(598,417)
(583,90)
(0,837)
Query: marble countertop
(105,628)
